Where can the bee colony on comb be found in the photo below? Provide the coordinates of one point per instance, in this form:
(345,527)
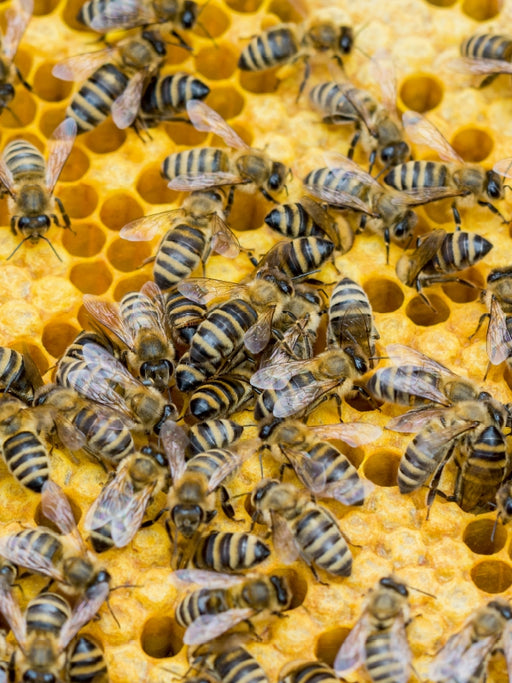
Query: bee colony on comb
(150,145)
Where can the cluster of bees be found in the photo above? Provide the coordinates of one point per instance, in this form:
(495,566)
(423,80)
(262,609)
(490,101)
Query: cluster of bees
(149,391)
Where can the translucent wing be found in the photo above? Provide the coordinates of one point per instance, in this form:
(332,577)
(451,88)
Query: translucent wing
(107,313)
(401,354)
(284,541)
(203,181)
(12,614)
(17,16)
(143,229)
(311,473)
(382,68)
(507,647)
(277,376)
(504,167)
(425,252)
(401,651)
(175,441)
(351,654)
(224,241)
(460,657)
(423,195)
(6,177)
(55,506)
(205,578)
(340,164)
(208,120)
(348,491)
(85,609)
(340,198)
(291,402)
(19,551)
(414,420)
(480,67)
(80,67)
(365,115)
(232,461)
(258,335)
(422,132)
(117,14)
(210,626)
(59,148)
(126,107)
(499,339)
(202,290)
(353,433)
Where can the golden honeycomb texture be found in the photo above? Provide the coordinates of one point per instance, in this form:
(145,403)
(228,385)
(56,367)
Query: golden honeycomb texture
(113,177)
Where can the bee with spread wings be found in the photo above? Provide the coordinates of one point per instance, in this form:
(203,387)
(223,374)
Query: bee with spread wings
(202,168)
(17,16)
(428,181)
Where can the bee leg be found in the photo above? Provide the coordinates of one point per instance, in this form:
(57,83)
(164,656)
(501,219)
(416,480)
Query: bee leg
(305,78)
(13,225)
(366,396)
(373,156)
(22,80)
(480,323)
(387,242)
(65,217)
(434,482)
(315,574)
(181,41)
(487,81)
(456,216)
(268,197)
(226,506)
(353,143)
(492,208)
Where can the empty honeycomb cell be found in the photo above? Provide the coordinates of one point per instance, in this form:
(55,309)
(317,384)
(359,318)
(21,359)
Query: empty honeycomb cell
(130,284)
(286,11)
(161,637)
(184,134)
(57,336)
(227,101)
(473,144)
(69,14)
(359,402)
(127,256)
(421,92)
(425,316)
(248,211)
(50,120)
(79,199)
(22,110)
(460,293)
(440,212)
(259,82)
(492,576)
(382,467)
(442,3)
(482,10)
(47,87)
(216,63)
(484,537)
(76,165)
(329,642)
(152,187)
(212,22)
(385,295)
(86,239)
(244,5)
(91,278)
(42,7)
(106,138)
(176,54)
(120,209)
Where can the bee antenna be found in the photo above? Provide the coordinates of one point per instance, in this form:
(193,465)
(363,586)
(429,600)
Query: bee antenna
(508,187)
(207,33)
(419,590)
(51,246)
(202,8)
(14,115)
(494,527)
(19,245)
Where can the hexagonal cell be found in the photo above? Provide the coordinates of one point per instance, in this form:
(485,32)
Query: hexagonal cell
(259,81)
(421,92)
(244,5)
(127,256)
(120,209)
(22,110)
(86,239)
(42,7)
(216,63)
(106,138)
(212,22)
(176,54)
(130,284)
(161,637)
(184,134)
(79,200)
(47,87)
(297,583)
(460,293)
(248,211)
(425,316)
(492,576)
(440,211)
(382,468)
(76,165)
(442,3)
(485,537)
(57,336)
(385,295)
(286,11)
(481,10)
(50,120)
(91,278)
(329,642)
(152,187)
(226,101)
(473,144)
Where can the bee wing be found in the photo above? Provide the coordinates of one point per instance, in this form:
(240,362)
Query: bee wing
(353,433)
(107,313)
(340,198)
(17,16)
(55,506)
(85,609)
(224,241)
(277,376)
(460,657)
(233,460)
(351,654)
(422,132)
(408,380)
(425,252)
(401,650)
(80,67)
(433,444)
(423,195)
(175,441)
(70,436)
(365,115)
(499,339)
(507,647)
(6,177)
(203,181)
(405,355)
(205,578)
(144,229)
(11,611)
(311,473)
(414,420)
(153,292)
(382,68)
(480,67)
(348,492)
(291,402)
(20,552)
(202,289)
(284,541)
(504,167)
(126,106)
(206,119)
(210,626)
(258,335)
(59,148)
(117,14)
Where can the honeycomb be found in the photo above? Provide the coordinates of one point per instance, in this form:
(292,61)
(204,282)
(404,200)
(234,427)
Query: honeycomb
(112,177)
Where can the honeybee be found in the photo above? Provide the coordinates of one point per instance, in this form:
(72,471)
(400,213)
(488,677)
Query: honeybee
(286,43)
(192,232)
(439,254)
(101,377)
(62,557)
(81,424)
(43,634)
(457,419)
(85,661)
(308,217)
(183,316)
(301,527)
(378,640)
(307,671)
(466,654)
(428,181)
(139,322)
(217,433)
(485,54)
(226,601)
(298,257)
(116,515)
(347,186)
(165,97)
(75,352)
(223,551)
(296,387)
(351,318)
(222,395)
(112,15)
(226,660)
(29,182)
(114,80)
(17,17)
(206,167)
